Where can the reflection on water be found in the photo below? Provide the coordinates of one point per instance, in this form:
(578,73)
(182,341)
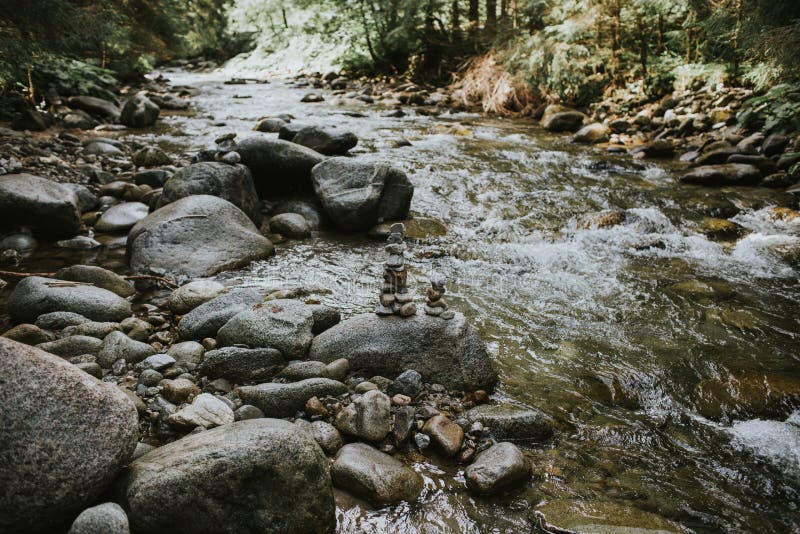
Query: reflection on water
(625,328)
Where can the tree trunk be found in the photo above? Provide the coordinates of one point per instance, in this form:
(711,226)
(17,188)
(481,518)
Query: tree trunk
(660,47)
(491,17)
(642,27)
(473,13)
(455,21)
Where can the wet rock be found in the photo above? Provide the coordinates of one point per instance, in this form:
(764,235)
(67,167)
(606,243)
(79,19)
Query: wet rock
(270,125)
(139,112)
(107,518)
(275,479)
(338,369)
(592,133)
(27,333)
(724,174)
(279,167)
(764,164)
(80,242)
(49,208)
(77,120)
(312,98)
(564,121)
(774,144)
(375,476)
(291,225)
(35,296)
(233,183)
(117,345)
(122,217)
(242,365)
(97,107)
(214,233)
(326,436)
(86,199)
(151,156)
(136,328)
(447,434)
(102,148)
(356,195)
(281,324)
(66,438)
(747,395)
(156,361)
(498,467)
(283,400)
(717,156)
(510,422)
(700,289)
(72,346)
(416,228)
(449,352)
(155,178)
(368,417)
(409,383)
(98,277)
(721,229)
(327,142)
(310,211)
(187,352)
(206,411)
(206,319)
(603,517)
(191,295)
(32,120)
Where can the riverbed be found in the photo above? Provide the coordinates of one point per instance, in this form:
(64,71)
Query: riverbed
(602,303)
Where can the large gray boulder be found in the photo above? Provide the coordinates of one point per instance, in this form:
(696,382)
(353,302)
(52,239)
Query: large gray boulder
(253,476)
(139,112)
(374,475)
(356,195)
(207,318)
(234,183)
(97,107)
(283,400)
(50,208)
(242,365)
(449,352)
(282,324)
(723,174)
(279,167)
(34,296)
(328,142)
(65,435)
(498,467)
(195,236)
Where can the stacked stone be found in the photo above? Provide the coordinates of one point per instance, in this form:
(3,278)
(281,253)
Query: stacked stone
(226,149)
(435,304)
(396,299)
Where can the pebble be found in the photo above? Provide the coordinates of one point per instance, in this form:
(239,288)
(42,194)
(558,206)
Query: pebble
(422,441)
(315,407)
(365,386)
(248,411)
(156,361)
(180,390)
(401,400)
(150,377)
(447,434)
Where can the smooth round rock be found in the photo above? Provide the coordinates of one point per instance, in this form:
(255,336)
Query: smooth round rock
(106,518)
(122,217)
(374,475)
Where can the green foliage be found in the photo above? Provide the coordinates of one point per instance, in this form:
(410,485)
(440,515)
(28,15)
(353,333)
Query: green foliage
(778,110)
(70,77)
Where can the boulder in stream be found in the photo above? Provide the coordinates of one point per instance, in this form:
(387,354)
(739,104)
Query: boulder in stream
(498,467)
(195,236)
(65,437)
(50,208)
(564,121)
(448,352)
(279,167)
(121,217)
(34,296)
(723,174)
(281,324)
(328,142)
(97,107)
(374,475)
(139,112)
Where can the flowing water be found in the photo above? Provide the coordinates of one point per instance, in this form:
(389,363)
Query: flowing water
(607,328)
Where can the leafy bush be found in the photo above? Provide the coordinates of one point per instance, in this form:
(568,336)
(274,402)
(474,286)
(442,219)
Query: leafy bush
(70,77)
(778,110)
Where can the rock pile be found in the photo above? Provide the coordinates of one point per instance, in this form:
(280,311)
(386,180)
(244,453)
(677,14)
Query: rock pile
(395,297)
(226,149)
(435,305)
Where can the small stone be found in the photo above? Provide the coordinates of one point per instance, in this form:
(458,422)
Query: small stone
(401,400)
(374,475)
(433,311)
(209,343)
(409,383)
(447,434)
(247,411)
(422,441)
(207,411)
(338,369)
(180,390)
(447,314)
(368,417)
(496,468)
(387,299)
(466,455)
(365,386)
(107,518)
(403,423)
(91,368)
(187,352)
(315,407)
(407,310)
(219,385)
(119,367)
(156,361)
(231,158)
(150,377)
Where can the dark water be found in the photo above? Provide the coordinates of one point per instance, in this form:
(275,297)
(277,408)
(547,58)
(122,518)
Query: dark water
(608,329)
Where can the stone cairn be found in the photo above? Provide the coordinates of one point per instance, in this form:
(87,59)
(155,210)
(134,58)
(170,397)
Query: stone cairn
(435,304)
(226,149)
(396,299)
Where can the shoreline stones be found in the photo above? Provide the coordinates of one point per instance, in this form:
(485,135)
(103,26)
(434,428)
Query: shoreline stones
(284,400)
(282,324)
(374,475)
(498,467)
(395,298)
(49,207)
(368,417)
(34,296)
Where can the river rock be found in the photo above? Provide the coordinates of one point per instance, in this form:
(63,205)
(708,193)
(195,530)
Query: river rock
(35,296)
(242,365)
(50,208)
(72,346)
(98,277)
(77,120)
(102,148)
(117,345)
(279,167)
(92,328)
(187,352)
(65,436)
(107,518)
(253,476)
(150,156)
(356,194)
(409,383)
(155,178)
(311,211)
(156,361)
(97,107)
(284,400)
(327,142)
(60,320)
(374,475)
(291,225)
(270,125)
(234,183)
(206,411)
(302,369)
(448,352)
(592,133)
(368,417)
(139,112)
(447,434)
(191,295)
(195,236)
(747,395)
(206,319)
(325,434)
(122,217)
(29,334)
(281,324)
(498,467)
(563,121)
(510,422)
(724,174)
